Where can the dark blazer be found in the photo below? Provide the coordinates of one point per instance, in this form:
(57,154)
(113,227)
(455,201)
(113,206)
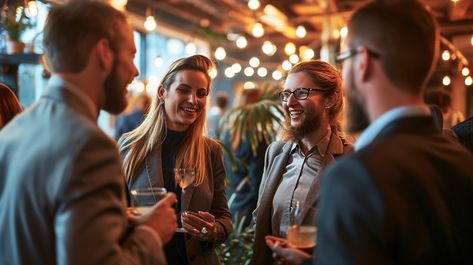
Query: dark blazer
(464,132)
(209,196)
(407,198)
(274,165)
(61,189)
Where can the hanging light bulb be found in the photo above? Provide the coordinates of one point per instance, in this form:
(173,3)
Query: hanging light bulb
(290,48)
(269,48)
(236,67)
(191,48)
(254,62)
(294,58)
(277,75)
(344,32)
(262,71)
(229,72)
(249,71)
(241,42)
(220,53)
(309,54)
(300,31)
(446,80)
(465,71)
(150,22)
(213,73)
(445,55)
(249,85)
(286,65)
(258,30)
(468,81)
(254,4)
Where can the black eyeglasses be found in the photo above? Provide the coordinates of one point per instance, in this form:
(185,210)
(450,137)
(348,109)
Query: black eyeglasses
(352,52)
(299,93)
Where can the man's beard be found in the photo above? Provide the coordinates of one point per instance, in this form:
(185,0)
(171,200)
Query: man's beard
(115,101)
(309,124)
(356,117)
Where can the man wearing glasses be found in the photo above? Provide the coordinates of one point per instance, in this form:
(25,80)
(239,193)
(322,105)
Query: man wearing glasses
(312,100)
(404,196)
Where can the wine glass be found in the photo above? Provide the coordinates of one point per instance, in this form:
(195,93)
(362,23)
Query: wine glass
(184,177)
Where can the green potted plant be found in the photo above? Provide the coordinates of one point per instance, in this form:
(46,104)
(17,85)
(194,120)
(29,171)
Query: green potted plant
(15,24)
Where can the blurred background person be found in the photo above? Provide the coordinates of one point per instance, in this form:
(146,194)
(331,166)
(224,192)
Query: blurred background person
(9,105)
(312,139)
(128,121)
(172,138)
(443,100)
(245,175)
(215,114)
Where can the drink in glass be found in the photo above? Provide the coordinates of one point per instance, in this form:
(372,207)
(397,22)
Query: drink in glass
(302,238)
(142,199)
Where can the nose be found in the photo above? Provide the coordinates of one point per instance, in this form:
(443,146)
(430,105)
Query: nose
(193,97)
(291,100)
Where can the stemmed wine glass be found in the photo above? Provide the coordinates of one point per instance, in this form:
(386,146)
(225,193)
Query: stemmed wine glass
(184,177)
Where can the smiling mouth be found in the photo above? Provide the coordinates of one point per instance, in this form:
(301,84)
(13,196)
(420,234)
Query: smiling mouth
(190,110)
(295,113)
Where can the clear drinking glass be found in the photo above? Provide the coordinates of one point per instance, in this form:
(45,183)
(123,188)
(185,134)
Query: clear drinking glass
(142,199)
(184,177)
(302,237)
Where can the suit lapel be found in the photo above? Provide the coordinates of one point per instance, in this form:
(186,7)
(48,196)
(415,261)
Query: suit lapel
(153,171)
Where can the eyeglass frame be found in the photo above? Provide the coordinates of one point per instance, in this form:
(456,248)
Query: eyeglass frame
(308,90)
(352,52)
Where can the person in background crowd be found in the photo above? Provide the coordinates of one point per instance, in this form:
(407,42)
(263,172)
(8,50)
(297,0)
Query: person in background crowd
(312,100)
(443,100)
(404,196)
(245,176)
(215,114)
(172,138)
(61,182)
(464,132)
(9,105)
(129,121)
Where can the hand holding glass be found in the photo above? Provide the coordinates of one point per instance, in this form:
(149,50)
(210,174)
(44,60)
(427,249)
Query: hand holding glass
(143,199)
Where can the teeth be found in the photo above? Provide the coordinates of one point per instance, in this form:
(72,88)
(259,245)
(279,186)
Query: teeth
(295,113)
(190,109)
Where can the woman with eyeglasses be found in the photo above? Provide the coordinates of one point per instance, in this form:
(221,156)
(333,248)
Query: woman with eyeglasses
(171,141)
(312,139)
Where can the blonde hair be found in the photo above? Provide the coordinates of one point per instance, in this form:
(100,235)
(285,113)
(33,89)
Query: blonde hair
(193,151)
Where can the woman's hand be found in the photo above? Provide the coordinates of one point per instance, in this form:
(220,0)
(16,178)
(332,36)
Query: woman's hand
(200,225)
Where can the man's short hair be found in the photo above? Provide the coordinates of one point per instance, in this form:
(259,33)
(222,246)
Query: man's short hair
(222,100)
(404,34)
(72,30)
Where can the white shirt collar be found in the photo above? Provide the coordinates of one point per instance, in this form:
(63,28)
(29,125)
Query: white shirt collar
(370,133)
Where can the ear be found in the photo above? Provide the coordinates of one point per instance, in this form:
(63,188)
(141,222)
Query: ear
(363,63)
(105,54)
(161,92)
(331,100)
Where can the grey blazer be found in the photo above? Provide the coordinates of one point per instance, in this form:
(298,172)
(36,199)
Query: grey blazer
(61,189)
(275,162)
(209,196)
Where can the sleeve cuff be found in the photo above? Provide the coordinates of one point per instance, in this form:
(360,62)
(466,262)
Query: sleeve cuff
(152,232)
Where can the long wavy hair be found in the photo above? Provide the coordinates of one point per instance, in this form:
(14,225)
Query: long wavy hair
(152,132)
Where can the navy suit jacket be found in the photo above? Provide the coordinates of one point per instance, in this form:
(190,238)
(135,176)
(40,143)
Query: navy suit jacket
(407,198)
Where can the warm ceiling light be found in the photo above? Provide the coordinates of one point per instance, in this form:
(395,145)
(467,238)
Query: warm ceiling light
(336,33)
(275,18)
(290,48)
(191,48)
(300,31)
(309,54)
(294,58)
(471,40)
(249,85)
(150,22)
(119,4)
(241,42)
(249,71)
(229,72)
(468,81)
(254,62)
(277,75)
(465,71)
(286,65)
(262,71)
(213,73)
(220,53)
(446,80)
(258,30)
(445,55)
(236,67)
(269,48)
(254,4)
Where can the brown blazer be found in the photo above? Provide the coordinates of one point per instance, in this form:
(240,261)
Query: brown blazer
(275,162)
(209,196)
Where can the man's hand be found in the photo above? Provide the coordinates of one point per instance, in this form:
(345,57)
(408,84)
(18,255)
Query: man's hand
(162,218)
(283,253)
